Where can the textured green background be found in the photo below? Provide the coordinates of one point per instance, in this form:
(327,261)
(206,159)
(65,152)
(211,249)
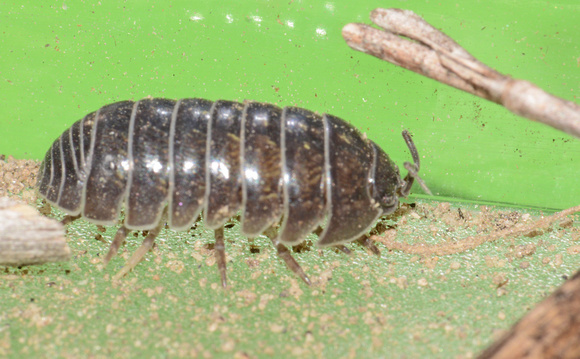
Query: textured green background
(61,60)
(399,305)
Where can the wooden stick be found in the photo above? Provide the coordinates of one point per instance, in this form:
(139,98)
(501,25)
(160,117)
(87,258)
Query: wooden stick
(435,55)
(550,330)
(27,238)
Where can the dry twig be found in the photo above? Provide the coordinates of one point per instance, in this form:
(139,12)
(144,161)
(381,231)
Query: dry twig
(26,237)
(435,55)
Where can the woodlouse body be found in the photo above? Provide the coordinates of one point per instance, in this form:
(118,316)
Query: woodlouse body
(288,166)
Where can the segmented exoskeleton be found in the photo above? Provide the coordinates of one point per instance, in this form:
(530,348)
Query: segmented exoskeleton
(289,168)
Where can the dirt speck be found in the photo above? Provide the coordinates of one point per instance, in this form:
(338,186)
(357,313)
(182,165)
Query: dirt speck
(18,177)
(574,249)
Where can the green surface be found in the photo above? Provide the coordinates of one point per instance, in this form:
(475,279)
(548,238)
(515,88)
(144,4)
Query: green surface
(62,60)
(397,306)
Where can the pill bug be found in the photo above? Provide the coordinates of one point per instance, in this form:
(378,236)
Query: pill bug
(169,161)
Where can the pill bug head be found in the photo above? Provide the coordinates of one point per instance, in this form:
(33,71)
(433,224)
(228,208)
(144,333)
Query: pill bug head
(386,184)
(385,181)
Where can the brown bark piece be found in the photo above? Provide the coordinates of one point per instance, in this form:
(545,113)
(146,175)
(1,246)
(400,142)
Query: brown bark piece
(27,238)
(433,54)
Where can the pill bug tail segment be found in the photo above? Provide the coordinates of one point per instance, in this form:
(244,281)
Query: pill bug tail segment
(412,168)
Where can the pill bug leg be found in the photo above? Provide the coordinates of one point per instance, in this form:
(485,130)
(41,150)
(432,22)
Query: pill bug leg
(120,236)
(220,254)
(140,252)
(291,263)
(285,254)
(344,249)
(69,219)
(366,242)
